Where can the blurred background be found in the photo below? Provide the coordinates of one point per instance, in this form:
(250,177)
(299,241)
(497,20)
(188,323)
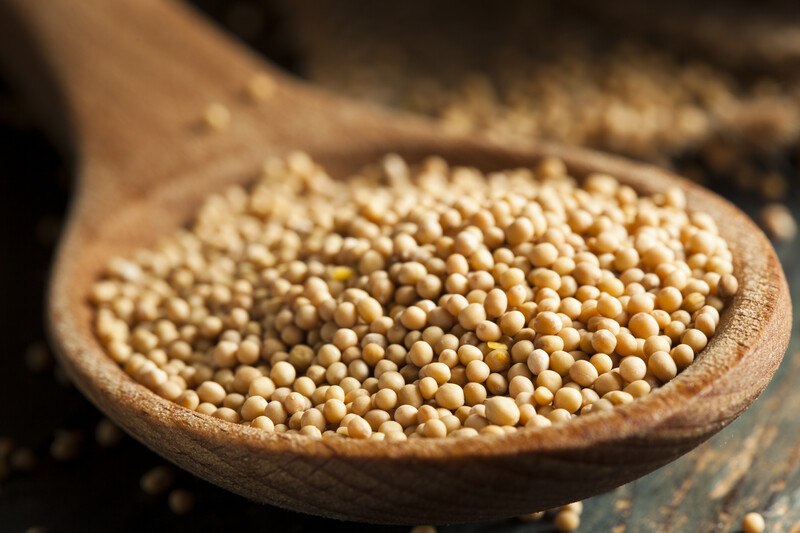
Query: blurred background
(711,91)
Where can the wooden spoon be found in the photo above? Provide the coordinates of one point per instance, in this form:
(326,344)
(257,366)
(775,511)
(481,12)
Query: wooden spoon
(132,78)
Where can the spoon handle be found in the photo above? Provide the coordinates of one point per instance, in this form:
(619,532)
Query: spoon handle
(122,87)
(125,72)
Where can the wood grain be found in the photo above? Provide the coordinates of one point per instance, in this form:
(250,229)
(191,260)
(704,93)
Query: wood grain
(134,91)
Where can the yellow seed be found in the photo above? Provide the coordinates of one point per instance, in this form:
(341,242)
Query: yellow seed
(342,273)
(217,116)
(753,523)
(567,521)
(157,481)
(261,87)
(181,501)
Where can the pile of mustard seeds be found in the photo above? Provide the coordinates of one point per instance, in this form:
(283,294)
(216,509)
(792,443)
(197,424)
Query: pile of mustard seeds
(427,301)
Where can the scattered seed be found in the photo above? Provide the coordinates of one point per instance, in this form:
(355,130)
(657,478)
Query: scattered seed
(567,520)
(753,523)
(108,434)
(659,107)
(157,481)
(261,87)
(66,445)
(181,501)
(778,222)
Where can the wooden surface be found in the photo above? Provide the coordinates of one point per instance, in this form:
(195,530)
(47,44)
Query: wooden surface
(135,161)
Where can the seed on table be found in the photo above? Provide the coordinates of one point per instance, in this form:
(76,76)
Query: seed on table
(66,445)
(180,501)
(567,521)
(502,411)
(753,523)
(157,481)
(778,222)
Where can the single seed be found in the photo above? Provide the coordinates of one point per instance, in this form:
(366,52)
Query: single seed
(65,445)
(180,501)
(753,523)
(261,87)
(157,481)
(778,222)
(502,411)
(567,521)
(217,117)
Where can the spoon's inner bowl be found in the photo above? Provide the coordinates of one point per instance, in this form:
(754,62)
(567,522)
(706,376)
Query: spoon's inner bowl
(418,301)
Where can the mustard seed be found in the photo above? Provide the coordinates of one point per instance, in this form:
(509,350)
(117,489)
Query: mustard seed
(261,87)
(65,445)
(753,523)
(778,222)
(388,309)
(157,481)
(567,521)
(180,501)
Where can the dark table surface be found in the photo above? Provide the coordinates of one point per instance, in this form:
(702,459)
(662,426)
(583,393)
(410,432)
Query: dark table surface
(754,464)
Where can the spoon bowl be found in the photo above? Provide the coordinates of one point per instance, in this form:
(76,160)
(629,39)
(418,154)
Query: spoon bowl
(134,78)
